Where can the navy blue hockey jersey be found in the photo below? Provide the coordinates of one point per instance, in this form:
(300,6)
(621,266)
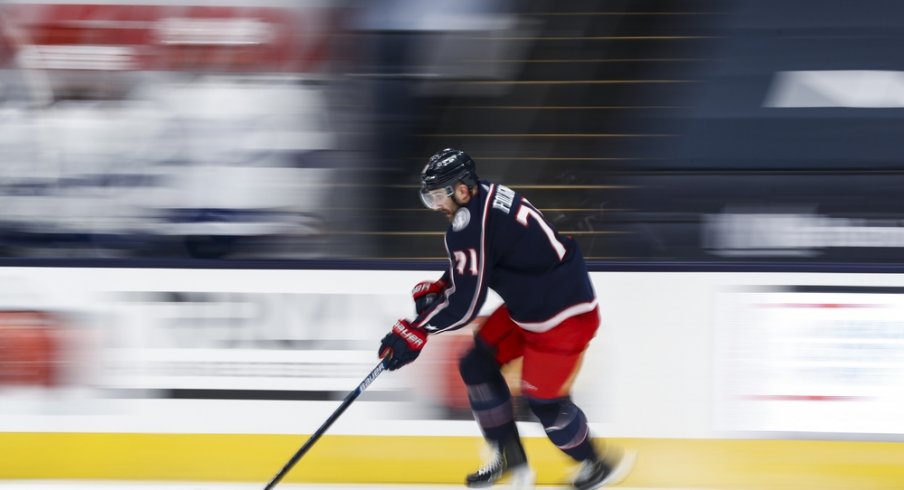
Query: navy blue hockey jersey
(499,241)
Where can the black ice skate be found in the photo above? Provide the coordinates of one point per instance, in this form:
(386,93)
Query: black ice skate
(591,474)
(596,473)
(522,477)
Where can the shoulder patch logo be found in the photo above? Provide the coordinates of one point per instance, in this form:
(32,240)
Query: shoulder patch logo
(461,219)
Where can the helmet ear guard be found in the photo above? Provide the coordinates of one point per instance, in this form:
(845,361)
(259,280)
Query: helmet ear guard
(444,169)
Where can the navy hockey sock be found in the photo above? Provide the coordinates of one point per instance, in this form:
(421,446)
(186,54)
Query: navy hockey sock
(566,426)
(491,402)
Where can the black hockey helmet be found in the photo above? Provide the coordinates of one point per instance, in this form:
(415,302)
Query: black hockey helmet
(446,168)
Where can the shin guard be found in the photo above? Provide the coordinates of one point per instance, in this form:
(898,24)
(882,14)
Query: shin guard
(491,402)
(565,425)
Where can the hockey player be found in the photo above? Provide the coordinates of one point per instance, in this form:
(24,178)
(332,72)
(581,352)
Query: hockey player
(497,240)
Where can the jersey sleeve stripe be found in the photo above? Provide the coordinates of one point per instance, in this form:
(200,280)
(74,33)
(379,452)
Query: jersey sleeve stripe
(440,306)
(479,289)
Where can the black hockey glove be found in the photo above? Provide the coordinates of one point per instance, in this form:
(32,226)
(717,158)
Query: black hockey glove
(425,293)
(401,345)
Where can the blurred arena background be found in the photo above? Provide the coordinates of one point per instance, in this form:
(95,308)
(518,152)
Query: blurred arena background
(716,131)
(209,216)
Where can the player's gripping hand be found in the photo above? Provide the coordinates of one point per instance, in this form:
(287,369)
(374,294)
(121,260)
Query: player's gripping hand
(401,345)
(425,293)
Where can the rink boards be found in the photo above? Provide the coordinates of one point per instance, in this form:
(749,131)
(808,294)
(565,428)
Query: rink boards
(682,463)
(754,380)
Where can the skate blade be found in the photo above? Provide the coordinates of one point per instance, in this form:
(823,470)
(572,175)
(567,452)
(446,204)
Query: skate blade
(620,470)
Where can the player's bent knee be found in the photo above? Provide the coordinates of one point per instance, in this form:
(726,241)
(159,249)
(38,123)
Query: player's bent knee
(478,366)
(565,423)
(547,410)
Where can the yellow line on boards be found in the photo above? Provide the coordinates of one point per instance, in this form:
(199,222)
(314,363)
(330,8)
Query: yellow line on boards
(670,463)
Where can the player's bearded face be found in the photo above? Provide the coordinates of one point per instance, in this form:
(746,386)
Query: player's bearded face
(448,207)
(441,200)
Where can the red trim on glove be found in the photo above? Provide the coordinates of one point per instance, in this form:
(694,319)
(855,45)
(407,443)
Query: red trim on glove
(424,288)
(414,337)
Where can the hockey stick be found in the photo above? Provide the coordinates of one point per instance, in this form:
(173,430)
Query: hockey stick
(329,421)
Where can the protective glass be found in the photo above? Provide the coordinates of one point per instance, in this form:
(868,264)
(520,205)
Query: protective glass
(435,197)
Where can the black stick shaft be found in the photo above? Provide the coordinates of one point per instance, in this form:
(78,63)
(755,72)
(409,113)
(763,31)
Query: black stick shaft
(326,425)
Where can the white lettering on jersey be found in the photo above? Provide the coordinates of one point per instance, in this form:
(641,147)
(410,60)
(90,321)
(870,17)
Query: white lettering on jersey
(462,261)
(525,212)
(504,199)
